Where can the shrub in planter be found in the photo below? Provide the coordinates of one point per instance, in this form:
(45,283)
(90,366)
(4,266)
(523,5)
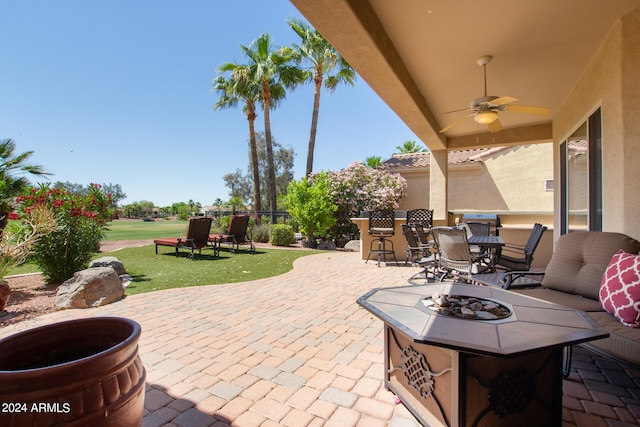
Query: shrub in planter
(81,221)
(281,235)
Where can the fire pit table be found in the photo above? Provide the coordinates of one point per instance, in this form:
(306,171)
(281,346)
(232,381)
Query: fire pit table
(466,355)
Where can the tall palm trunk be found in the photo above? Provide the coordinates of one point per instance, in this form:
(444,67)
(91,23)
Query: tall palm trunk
(251,118)
(317,82)
(271,173)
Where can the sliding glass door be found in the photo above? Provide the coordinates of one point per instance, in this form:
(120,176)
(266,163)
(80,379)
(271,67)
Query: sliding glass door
(581,177)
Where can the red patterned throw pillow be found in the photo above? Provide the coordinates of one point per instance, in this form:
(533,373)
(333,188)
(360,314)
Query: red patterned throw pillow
(620,288)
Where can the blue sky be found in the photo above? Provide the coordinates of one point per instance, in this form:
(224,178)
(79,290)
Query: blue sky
(120,92)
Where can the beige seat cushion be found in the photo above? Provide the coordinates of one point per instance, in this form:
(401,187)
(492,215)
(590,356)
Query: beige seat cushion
(574,301)
(623,342)
(581,258)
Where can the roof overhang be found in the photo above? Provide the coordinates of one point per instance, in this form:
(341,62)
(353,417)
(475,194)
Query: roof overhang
(420,57)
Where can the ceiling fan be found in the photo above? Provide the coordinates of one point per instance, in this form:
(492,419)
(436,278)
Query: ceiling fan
(484,110)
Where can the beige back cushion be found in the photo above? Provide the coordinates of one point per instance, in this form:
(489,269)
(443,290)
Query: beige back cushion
(580,259)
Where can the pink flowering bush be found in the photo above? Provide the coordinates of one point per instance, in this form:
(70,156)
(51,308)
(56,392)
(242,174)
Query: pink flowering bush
(359,188)
(81,221)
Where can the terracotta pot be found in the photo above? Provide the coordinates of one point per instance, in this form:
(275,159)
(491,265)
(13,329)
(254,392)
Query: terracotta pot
(84,372)
(5,292)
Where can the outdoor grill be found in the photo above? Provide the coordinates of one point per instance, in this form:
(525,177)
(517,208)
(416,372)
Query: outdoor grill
(492,219)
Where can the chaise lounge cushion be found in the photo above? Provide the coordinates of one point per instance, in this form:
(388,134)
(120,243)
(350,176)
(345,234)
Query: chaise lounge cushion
(580,259)
(620,289)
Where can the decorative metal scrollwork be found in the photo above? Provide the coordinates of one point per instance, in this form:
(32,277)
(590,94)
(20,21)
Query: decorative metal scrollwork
(416,371)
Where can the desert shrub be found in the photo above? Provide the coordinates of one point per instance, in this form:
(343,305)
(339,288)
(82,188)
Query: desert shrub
(281,235)
(81,222)
(260,233)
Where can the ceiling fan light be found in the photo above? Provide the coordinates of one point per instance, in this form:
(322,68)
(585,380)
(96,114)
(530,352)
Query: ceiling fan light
(486,117)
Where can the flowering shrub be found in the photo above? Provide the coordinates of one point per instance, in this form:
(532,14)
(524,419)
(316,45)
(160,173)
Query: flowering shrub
(81,221)
(359,188)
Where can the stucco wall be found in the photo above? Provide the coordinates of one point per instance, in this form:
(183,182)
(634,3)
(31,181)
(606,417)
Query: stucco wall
(610,82)
(512,179)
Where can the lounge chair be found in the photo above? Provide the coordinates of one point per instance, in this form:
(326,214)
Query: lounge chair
(197,237)
(236,235)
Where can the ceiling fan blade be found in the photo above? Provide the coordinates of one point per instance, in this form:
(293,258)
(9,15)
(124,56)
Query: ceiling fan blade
(528,109)
(495,126)
(457,111)
(443,130)
(504,100)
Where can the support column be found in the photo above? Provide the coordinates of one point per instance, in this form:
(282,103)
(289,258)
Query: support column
(438,196)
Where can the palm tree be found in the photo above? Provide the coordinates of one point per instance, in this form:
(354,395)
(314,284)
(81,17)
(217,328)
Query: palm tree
(218,202)
(12,185)
(410,147)
(325,65)
(274,72)
(373,161)
(231,92)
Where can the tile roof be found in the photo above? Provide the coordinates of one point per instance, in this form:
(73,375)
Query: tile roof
(417,160)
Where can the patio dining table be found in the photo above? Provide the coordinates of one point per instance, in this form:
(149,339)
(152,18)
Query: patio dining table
(492,243)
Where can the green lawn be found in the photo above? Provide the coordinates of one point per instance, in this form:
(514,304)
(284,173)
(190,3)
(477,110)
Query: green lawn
(138,230)
(153,272)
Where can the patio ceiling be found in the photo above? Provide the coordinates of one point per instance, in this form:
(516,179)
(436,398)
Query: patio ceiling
(420,57)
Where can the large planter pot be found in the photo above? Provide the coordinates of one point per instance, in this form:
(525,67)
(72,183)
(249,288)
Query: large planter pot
(84,372)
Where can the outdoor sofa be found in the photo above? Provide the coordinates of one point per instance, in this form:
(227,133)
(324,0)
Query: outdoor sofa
(575,277)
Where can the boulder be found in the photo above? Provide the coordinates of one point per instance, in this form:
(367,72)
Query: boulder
(92,287)
(352,246)
(327,245)
(109,261)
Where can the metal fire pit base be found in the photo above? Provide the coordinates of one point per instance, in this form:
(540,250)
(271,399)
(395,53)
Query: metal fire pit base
(444,387)
(452,371)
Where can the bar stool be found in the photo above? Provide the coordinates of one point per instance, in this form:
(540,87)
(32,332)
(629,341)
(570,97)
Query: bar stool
(382,224)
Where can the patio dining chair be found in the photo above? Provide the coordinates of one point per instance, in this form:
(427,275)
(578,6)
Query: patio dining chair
(425,237)
(515,261)
(519,257)
(197,237)
(419,255)
(455,259)
(423,217)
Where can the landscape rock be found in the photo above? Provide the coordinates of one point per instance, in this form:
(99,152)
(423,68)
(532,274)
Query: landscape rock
(92,287)
(327,245)
(352,246)
(109,261)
